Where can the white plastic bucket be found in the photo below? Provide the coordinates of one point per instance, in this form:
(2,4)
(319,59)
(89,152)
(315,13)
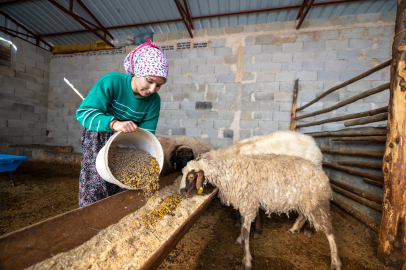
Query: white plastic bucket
(139,139)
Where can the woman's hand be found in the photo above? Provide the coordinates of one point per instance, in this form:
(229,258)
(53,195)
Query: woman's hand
(125,126)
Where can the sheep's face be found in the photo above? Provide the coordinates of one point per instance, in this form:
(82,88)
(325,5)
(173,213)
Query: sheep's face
(184,154)
(192,179)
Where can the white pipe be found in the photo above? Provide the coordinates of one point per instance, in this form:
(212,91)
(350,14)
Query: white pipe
(77,92)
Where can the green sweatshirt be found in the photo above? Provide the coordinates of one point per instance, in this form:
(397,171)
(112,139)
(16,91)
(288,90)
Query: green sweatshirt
(112,98)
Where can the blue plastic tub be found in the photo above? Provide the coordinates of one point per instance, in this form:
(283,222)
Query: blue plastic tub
(9,163)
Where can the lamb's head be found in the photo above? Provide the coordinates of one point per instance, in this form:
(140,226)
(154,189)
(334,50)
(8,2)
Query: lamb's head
(182,155)
(192,179)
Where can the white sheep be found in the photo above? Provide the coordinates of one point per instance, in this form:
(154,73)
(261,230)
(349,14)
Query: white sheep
(275,183)
(279,142)
(179,150)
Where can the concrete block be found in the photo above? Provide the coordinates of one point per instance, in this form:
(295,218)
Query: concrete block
(226,97)
(315,107)
(269,106)
(36,57)
(160,37)
(178,131)
(261,116)
(175,71)
(318,22)
(224,115)
(179,96)
(175,35)
(285,39)
(368,18)
(266,127)
(193,132)
(215,31)
(310,87)
(292,47)
(274,26)
(359,64)
(281,57)
(303,56)
(250,106)
(196,97)
(249,40)
(303,96)
(195,78)
(271,49)
(170,105)
(173,54)
(281,116)
(199,32)
(348,54)
(330,84)
(218,142)
(269,87)
(226,78)
(175,114)
(215,43)
(328,76)
(42,81)
(248,124)
(378,53)
(211,78)
(358,107)
(231,59)
(250,87)
(187,88)
(283,96)
(387,31)
(17,66)
(388,16)
(25,76)
(228,134)
(246,115)
(194,114)
(233,29)
(384,42)
(107,67)
(252,49)
(215,60)
(292,66)
(264,96)
(359,86)
(187,53)
(190,70)
(97,59)
(314,46)
(271,67)
(333,97)
(306,75)
(263,39)
(379,97)
(184,62)
(336,45)
(285,76)
(349,74)
(247,58)
(205,52)
(205,70)
(222,69)
(251,67)
(172,122)
(265,77)
(336,65)
(344,20)
(196,62)
(323,55)
(210,115)
(222,51)
(245,134)
(252,28)
(13,82)
(8,71)
(222,124)
(329,34)
(313,65)
(288,25)
(347,95)
(210,133)
(360,43)
(260,58)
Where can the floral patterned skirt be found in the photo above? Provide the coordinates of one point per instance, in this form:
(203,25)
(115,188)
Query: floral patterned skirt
(92,187)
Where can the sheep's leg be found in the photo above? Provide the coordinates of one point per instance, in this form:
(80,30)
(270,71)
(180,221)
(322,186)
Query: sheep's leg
(309,230)
(300,221)
(237,223)
(257,228)
(240,238)
(246,260)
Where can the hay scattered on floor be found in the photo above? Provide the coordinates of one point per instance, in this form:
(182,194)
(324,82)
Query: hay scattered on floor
(134,168)
(129,243)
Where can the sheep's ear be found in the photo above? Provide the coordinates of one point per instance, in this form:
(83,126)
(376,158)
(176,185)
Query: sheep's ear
(200,180)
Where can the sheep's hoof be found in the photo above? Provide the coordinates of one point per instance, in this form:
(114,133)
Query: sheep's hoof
(246,267)
(293,231)
(238,242)
(256,234)
(335,266)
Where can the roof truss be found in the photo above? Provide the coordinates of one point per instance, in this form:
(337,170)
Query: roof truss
(304,9)
(184,12)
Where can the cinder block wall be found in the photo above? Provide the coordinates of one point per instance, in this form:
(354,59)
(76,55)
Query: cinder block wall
(24,96)
(241,84)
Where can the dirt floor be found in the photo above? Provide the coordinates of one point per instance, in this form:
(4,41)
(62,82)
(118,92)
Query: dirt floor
(43,191)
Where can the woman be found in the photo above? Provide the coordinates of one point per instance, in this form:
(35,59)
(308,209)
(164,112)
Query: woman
(119,102)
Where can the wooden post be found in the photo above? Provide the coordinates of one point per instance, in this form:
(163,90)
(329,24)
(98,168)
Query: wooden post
(392,231)
(294,104)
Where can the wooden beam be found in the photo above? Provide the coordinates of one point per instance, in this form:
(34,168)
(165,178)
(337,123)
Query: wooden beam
(294,103)
(366,138)
(347,101)
(366,120)
(346,117)
(392,232)
(372,182)
(357,198)
(359,77)
(353,171)
(367,220)
(360,192)
(353,152)
(348,133)
(360,164)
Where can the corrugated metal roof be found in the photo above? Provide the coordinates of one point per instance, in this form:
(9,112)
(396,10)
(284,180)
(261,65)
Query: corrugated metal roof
(42,17)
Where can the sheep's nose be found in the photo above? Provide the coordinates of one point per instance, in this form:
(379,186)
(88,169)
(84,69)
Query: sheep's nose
(183,192)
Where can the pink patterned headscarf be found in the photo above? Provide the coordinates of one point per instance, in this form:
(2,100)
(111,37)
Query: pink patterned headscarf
(147,59)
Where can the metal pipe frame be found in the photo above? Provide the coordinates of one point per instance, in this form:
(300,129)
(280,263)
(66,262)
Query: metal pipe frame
(304,9)
(185,16)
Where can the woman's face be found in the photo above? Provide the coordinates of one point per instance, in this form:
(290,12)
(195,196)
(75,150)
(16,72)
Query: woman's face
(147,85)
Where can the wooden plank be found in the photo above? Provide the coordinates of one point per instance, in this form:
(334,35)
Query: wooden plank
(347,101)
(159,256)
(294,103)
(348,133)
(357,198)
(372,182)
(360,164)
(366,120)
(366,138)
(359,77)
(40,241)
(360,192)
(353,152)
(367,220)
(353,171)
(346,117)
